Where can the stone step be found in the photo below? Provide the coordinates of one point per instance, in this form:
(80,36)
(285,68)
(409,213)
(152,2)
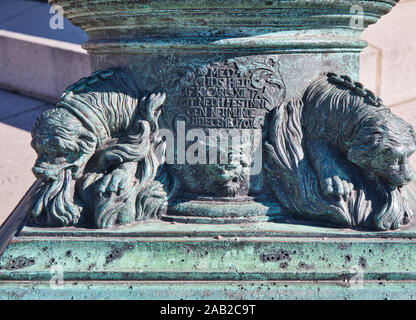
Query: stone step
(40,67)
(37,60)
(169,261)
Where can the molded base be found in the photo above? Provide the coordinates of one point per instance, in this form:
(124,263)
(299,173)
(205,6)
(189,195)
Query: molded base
(218,211)
(209,290)
(161,260)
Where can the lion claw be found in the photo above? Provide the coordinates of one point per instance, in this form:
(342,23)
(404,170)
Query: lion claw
(338,187)
(157,99)
(117,181)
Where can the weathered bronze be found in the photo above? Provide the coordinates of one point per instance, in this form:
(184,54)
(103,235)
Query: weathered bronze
(218,140)
(96,155)
(339,155)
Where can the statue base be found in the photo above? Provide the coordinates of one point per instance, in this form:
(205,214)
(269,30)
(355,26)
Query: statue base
(224,210)
(163,260)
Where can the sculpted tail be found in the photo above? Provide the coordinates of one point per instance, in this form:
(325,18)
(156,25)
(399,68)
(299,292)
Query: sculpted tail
(294,182)
(291,178)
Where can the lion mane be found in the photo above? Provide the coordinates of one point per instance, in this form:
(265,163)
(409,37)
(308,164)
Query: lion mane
(356,126)
(99,123)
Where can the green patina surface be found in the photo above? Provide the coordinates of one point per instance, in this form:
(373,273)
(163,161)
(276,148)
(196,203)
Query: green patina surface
(262,260)
(210,262)
(247,290)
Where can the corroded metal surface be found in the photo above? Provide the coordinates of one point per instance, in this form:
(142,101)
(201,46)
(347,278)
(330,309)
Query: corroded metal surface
(332,151)
(214,290)
(204,26)
(147,264)
(225,232)
(230,253)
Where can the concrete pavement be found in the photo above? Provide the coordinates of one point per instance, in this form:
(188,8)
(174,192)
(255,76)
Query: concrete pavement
(17,115)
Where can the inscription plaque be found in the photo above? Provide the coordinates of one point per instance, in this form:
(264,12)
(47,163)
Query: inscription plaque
(231,98)
(233,94)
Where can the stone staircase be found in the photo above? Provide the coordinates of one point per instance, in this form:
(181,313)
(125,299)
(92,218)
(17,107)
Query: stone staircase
(36,60)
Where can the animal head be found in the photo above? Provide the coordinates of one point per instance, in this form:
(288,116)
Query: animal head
(62,145)
(382,146)
(66,137)
(60,141)
(374,139)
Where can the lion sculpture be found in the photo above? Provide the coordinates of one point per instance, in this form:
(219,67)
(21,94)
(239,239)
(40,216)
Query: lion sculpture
(338,155)
(97,155)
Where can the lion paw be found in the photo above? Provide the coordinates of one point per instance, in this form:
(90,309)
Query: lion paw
(154,101)
(408,215)
(336,186)
(117,181)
